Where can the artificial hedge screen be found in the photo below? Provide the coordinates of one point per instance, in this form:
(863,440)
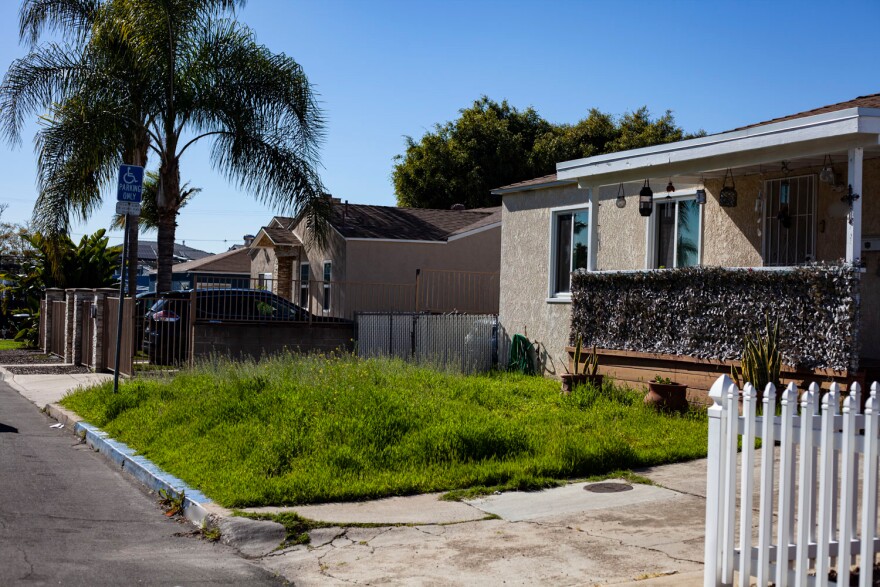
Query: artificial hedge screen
(706,312)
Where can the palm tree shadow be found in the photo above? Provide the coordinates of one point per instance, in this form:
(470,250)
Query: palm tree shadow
(5,428)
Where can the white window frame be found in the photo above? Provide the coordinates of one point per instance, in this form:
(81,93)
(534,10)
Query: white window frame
(264,280)
(651,229)
(552,294)
(814,202)
(327,298)
(304,283)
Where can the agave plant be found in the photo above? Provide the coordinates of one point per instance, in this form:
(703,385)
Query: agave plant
(761,360)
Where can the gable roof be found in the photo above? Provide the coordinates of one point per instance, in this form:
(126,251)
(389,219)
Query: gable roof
(275,236)
(360,221)
(148,251)
(236,261)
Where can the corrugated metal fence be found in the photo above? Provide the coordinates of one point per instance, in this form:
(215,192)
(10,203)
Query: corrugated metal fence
(458,342)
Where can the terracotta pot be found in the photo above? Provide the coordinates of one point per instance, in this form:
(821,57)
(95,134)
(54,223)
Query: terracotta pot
(667,396)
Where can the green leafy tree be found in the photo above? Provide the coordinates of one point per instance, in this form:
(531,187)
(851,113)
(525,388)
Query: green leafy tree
(57,262)
(165,75)
(493,144)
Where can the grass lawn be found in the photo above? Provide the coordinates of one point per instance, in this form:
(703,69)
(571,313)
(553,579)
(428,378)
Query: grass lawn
(10,345)
(294,430)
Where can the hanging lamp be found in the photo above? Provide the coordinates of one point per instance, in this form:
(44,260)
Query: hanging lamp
(646,199)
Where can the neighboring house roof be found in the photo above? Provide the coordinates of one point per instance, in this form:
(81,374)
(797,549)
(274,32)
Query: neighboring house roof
(148,251)
(274,236)
(359,221)
(236,261)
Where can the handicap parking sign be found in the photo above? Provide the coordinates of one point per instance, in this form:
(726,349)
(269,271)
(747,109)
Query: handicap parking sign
(130,185)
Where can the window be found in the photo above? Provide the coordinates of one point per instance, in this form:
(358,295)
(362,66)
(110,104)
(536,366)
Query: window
(303,285)
(571,247)
(789,220)
(327,273)
(676,233)
(264,281)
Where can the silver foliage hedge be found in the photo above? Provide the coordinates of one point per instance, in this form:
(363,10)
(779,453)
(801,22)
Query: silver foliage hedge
(706,312)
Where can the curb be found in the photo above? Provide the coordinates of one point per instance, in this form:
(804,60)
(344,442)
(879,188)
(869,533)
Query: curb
(197,507)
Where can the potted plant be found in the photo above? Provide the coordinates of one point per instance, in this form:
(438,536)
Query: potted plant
(580,375)
(666,395)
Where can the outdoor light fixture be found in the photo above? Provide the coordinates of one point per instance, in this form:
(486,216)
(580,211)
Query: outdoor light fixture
(669,188)
(727,197)
(646,199)
(701,196)
(827,173)
(620,202)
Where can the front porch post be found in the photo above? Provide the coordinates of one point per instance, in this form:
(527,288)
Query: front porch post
(854,220)
(592,228)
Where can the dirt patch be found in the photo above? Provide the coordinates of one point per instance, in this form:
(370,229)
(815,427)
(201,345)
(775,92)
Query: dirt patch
(26,357)
(46,369)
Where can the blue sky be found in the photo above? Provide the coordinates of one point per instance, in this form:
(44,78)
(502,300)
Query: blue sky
(388,69)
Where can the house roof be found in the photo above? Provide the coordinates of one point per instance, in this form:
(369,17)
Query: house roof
(869,101)
(148,251)
(235,261)
(811,133)
(389,223)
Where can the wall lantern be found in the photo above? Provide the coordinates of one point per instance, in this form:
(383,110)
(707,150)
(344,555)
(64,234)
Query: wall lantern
(727,197)
(646,199)
(620,202)
(701,196)
(827,173)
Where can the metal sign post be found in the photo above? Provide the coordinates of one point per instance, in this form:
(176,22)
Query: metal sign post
(130,188)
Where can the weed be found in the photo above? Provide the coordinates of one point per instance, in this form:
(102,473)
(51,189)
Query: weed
(210,532)
(297,429)
(173,503)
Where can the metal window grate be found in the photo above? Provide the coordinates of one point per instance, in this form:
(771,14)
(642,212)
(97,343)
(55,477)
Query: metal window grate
(790,229)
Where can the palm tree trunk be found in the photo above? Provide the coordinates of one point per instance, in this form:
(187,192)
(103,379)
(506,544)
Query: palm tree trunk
(167,203)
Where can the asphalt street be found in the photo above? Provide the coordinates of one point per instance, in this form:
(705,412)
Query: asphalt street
(69,518)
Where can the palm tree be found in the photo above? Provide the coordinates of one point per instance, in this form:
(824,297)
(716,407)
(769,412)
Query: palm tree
(78,152)
(194,74)
(149,218)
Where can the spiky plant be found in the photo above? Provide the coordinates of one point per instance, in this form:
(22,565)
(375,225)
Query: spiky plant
(761,361)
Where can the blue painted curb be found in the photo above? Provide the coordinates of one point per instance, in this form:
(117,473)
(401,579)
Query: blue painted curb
(145,471)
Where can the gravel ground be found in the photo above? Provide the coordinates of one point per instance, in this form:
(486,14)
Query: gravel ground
(26,357)
(46,370)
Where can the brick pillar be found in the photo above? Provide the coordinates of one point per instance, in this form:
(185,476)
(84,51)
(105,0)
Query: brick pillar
(283,274)
(53,294)
(98,353)
(69,298)
(79,296)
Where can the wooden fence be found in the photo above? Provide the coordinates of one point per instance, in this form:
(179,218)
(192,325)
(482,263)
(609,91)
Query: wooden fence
(111,318)
(57,340)
(825,506)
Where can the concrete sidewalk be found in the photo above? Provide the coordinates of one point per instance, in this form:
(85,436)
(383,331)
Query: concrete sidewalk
(652,535)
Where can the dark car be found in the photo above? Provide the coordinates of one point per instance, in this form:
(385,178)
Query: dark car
(166,323)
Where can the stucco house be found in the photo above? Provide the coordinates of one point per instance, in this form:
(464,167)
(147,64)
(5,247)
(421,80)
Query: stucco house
(779,220)
(382,258)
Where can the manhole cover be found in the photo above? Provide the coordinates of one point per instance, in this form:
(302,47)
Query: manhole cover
(608,487)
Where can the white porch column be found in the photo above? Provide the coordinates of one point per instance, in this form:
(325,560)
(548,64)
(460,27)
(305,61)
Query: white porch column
(593,232)
(854,220)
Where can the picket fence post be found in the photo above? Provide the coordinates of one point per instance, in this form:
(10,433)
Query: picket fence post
(869,486)
(716,457)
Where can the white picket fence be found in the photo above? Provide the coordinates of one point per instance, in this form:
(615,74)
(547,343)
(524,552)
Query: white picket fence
(819,503)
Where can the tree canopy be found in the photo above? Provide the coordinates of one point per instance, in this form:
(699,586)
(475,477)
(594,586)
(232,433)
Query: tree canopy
(494,144)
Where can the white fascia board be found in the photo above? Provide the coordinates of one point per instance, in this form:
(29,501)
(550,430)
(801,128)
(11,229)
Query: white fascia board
(767,142)
(474,231)
(529,188)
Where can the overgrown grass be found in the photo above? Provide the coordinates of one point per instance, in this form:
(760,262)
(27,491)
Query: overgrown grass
(11,345)
(295,430)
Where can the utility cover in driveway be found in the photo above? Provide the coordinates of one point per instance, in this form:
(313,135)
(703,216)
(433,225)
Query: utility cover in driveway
(608,487)
(566,501)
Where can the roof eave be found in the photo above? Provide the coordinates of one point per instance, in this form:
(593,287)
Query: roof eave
(529,188)
(808,135)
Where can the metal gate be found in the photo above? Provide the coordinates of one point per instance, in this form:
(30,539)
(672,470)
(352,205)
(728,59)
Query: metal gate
(458,342)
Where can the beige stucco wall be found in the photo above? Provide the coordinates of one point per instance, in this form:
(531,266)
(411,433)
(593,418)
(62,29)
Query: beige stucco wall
(525,254)
(731,238)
